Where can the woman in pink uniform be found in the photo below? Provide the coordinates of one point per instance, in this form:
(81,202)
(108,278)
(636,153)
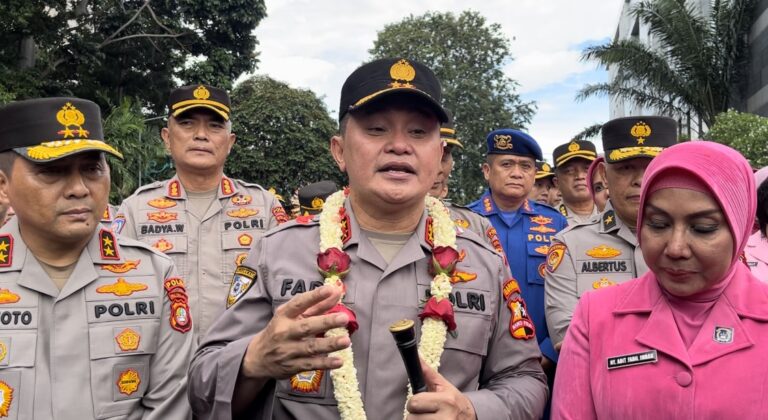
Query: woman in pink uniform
(687,340)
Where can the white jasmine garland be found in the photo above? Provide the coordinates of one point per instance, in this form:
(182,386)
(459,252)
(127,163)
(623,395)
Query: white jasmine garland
(433,331)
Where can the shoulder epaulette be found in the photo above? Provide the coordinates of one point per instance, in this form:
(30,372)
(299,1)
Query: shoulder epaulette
(299,222)
(249,184)
(126,242)
(156,184)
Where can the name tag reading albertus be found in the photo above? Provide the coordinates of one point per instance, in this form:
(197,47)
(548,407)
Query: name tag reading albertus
(633,359)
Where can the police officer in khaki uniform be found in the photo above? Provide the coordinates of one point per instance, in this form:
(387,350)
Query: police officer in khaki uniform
(572,162)
(312,197)
(603,251)
(543,184)
(463,217)
(91,325)
(262,358)
(203,219)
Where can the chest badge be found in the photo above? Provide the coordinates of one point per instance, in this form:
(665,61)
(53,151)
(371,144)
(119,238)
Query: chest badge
(541,220)
(7,296)
(307,382)
(245,239)
(6,398)
(241,200)
(242,213)
(242,280)
(462,223)
(633,359)
(162,216)
(723,335)
(602,283)
(543,229)
(162,203)
(162,245)
(128,340)
(543,249)
(121,288)
(125,267)
(603,251)
(128,382)
(3,352)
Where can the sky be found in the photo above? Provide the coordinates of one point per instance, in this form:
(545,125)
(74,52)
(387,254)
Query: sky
(316,44)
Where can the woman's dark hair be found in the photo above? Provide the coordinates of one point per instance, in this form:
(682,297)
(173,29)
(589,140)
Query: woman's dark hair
(762,206)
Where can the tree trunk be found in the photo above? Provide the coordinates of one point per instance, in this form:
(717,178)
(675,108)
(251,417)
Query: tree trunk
(27,52)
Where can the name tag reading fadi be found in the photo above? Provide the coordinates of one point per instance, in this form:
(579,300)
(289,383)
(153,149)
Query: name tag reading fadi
(633,359)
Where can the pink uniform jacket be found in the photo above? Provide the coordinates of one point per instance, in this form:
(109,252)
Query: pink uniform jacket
(757,256)
(723,375)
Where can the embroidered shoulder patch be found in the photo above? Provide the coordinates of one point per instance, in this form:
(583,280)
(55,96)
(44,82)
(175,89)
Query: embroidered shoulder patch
(242,281)
(520,325)
(180,318)
(279,213)
(117,223)
(510,287)
(555,256)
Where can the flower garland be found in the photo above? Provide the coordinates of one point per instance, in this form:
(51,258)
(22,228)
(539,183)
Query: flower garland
(437,316)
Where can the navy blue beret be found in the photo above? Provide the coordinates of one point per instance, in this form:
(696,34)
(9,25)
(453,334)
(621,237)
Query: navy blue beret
(507,141)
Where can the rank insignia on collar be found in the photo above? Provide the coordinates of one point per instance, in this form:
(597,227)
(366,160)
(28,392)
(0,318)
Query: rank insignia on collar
(242,281)
(107,215)
(117,223)
(555,256)
(162,245)
(180,318)
(462,223)
(510,287)
(3,353)
(128,382)
(242,212)
(279,213)
(121,288)
(125,267)
(241,200)
(7,296)
(603,251)
(162,203)
(543,249)
(563,210)
(609,220)
(108,245)
(128,340)
(543,229)
(6,398)
(346,227)
(174,189)
(429,233)
(245,239)
(162,216)
(541,220)
(520,325)
(6,250)
(307,382)
(487,204)
(603,283)
(226,186)
(723,335)
(527,205)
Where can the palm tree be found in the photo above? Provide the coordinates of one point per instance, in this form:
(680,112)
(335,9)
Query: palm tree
(698,67)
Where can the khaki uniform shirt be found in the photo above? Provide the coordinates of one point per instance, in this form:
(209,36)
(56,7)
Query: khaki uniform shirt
(575,219)
(102,347)
(600,253)
(500,374)
(205,251)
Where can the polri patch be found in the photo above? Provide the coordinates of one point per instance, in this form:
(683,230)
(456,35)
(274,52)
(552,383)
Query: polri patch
(633,359)
(242,281)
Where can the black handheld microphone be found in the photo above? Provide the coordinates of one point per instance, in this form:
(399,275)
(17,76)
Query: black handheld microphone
(405,338)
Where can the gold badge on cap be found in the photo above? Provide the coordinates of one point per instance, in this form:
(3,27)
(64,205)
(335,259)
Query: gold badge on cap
(574,147)
(502,142)
(70,116)
(640,131)
(403,73)
(546,168)
(201,93)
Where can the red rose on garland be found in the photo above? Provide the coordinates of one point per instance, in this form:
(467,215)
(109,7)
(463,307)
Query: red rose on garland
(333,262)
(442,309)
(444,260)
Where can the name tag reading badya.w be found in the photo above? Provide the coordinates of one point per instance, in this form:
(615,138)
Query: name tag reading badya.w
(633,359)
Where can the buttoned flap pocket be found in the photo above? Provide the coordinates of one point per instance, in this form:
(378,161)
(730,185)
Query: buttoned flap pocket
(472,333)
(176,244)
(235,246)
(122,339)
(17,350)
(17,374)
(536,264)
(314,387)
(238,240)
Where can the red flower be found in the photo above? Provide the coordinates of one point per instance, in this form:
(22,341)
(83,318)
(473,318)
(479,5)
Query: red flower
(352,323)
(442,309)
(333,262)
(444,260)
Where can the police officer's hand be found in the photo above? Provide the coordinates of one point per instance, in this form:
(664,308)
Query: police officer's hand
(442,401)
(293,340)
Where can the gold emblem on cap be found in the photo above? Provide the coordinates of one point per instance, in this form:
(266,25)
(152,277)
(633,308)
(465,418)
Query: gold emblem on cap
(69,116)
(574,147)
(201,93)
(640,131)
(546,168)
(317,203)
(502,142)
(403,73)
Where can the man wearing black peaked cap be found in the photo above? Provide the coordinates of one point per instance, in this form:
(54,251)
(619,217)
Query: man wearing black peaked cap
(92,324)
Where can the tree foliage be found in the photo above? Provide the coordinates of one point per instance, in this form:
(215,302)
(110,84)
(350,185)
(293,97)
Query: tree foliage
(747,133)
(698,65)
(282,136)
(468,55)
(111,49)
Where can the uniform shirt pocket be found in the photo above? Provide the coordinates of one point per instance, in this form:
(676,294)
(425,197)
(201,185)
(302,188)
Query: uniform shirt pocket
(535,264)
(17,374)
(235,247)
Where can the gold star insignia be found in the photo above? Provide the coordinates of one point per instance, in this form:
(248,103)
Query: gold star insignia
(3,257)
(109,251)
(641,141)
(609,220)
(3,246)
(107,241)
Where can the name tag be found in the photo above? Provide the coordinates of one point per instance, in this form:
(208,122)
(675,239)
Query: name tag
(633,359)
